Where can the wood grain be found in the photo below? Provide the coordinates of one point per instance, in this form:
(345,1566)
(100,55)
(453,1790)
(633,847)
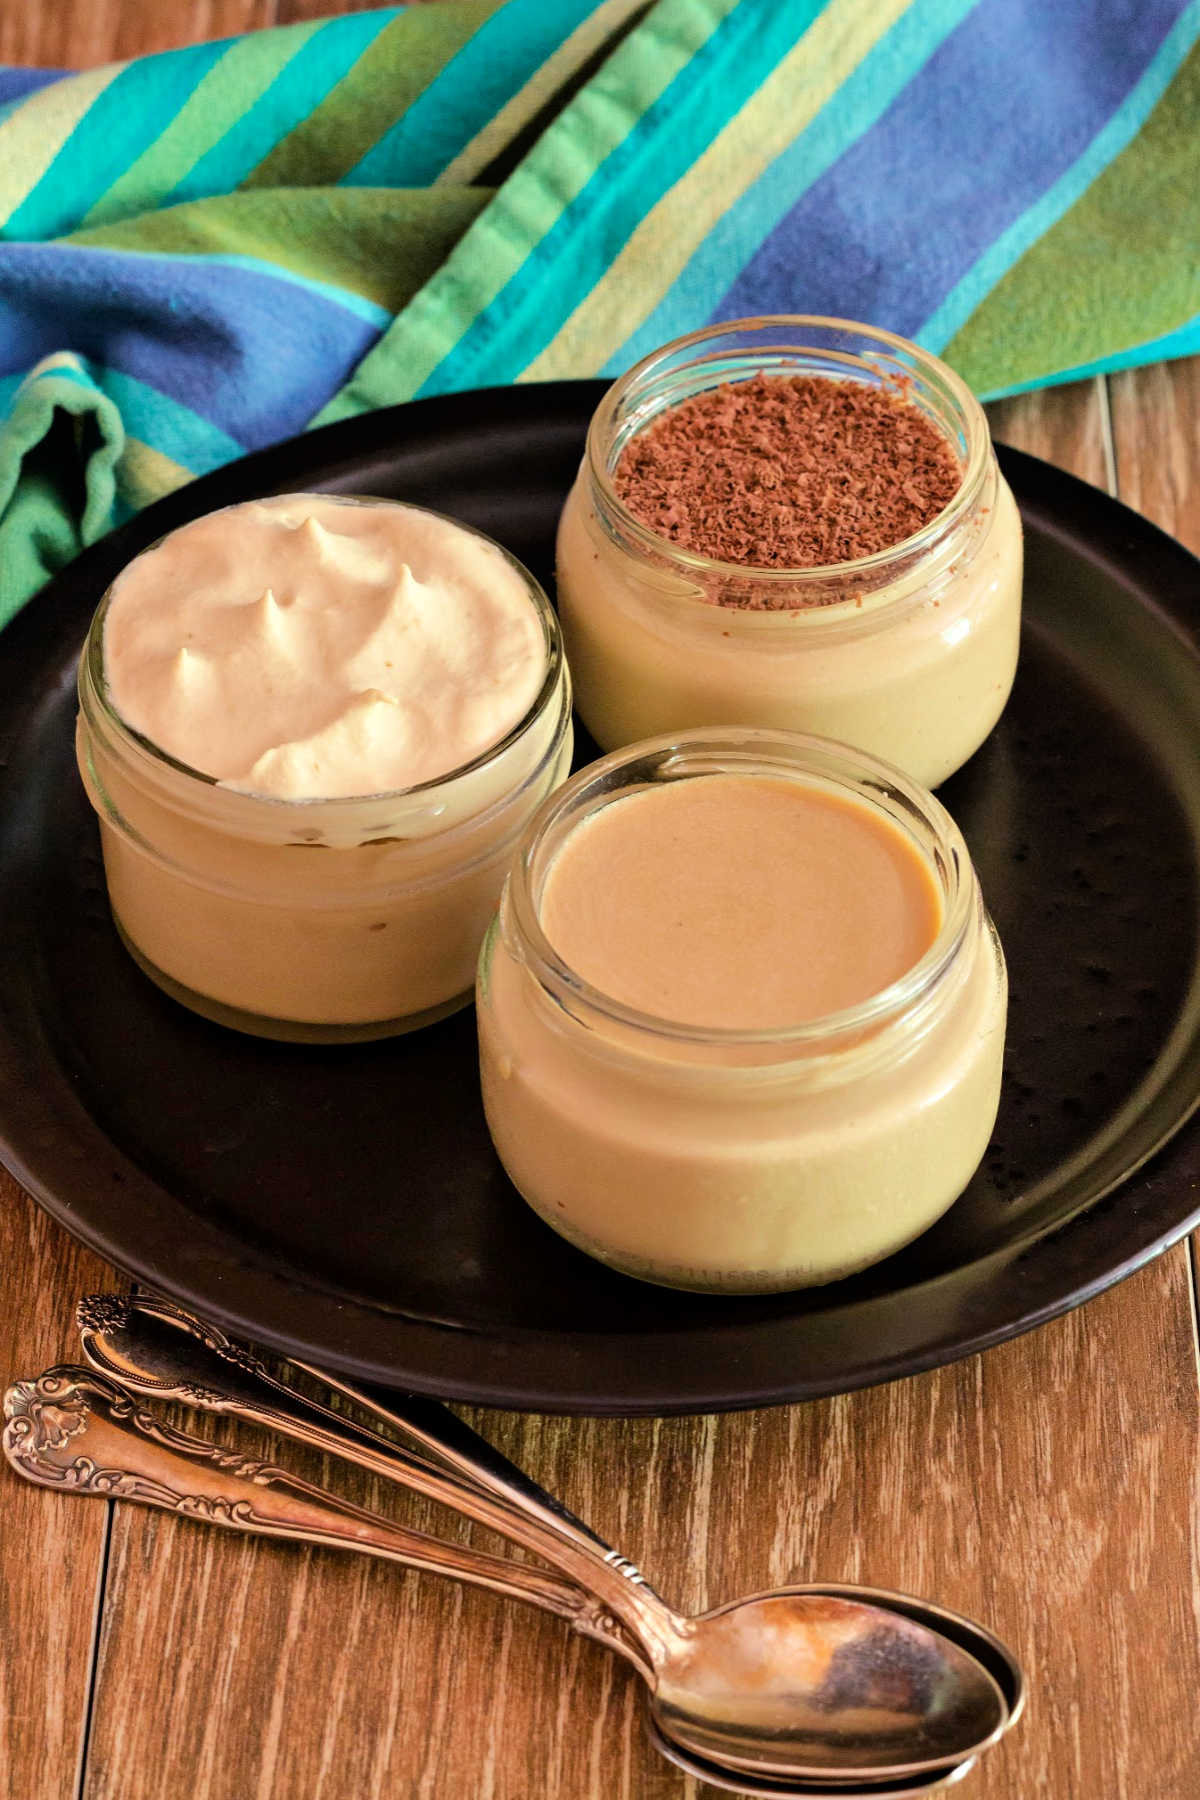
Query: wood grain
(51,1545)
(292,11)
(1156,436)
(82,34)
(1049,1487)
(1032,1487)
(1156,432)
(1068,426)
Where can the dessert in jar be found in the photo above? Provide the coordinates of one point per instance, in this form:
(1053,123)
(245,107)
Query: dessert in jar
(796,523)
(313,729)
(742,1012)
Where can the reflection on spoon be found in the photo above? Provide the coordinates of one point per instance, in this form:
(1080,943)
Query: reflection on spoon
(799,1684)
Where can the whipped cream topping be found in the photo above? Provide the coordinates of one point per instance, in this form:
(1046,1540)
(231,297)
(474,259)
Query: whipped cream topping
(310,647)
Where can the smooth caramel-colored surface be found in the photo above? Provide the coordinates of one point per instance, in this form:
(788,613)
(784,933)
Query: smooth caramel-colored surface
(740,902)
(1049,1486)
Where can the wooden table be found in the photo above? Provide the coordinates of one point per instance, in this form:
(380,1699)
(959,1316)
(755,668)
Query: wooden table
(1048,1487)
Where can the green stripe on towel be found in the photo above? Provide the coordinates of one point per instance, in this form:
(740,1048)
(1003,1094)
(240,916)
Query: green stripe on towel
(404,59)
(1128,253)
(231,86)
(533,198)
(382,245)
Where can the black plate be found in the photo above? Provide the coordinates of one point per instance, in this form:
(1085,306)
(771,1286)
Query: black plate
(345,1203)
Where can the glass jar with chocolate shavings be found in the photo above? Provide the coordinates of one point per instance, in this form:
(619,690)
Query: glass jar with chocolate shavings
(795,523)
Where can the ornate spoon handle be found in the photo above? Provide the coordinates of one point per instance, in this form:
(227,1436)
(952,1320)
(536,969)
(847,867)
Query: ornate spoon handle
(74,1430)
(158,1349)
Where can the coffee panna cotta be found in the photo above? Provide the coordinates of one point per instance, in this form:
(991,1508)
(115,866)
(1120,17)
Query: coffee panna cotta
(742,1013)
(794,523)
(312,729)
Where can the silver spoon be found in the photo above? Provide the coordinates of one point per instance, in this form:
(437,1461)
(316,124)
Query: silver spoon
(76,1431)
(762,1789)
(790,1685)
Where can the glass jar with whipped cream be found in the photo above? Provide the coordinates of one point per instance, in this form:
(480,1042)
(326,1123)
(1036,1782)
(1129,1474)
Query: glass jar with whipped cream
(905,648)
(741,1012)
(313,729)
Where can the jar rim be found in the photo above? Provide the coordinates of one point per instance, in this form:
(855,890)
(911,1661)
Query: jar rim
(601,431)
(777,754)
(95,686)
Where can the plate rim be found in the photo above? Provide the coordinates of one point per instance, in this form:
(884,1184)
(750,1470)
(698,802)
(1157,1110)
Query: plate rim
(1166,1184)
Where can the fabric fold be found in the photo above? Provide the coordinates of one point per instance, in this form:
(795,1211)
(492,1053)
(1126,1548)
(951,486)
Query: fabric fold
(204,251)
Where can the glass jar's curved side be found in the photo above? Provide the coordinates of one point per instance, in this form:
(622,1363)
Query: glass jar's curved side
(320,920)
(742,1180)
(922,688)
(909,654)
(742,1161)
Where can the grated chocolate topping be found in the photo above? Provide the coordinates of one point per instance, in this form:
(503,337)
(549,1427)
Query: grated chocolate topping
(788,472)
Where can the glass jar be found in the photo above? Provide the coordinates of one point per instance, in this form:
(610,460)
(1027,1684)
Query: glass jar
(743,1161)
(909,653)
(321,920)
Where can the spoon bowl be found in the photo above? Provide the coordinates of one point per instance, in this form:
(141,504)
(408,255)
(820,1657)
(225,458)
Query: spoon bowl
(824,1684)
(835,1684)
(763,1787)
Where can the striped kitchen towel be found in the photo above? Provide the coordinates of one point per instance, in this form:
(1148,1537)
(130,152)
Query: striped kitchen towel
(210,249)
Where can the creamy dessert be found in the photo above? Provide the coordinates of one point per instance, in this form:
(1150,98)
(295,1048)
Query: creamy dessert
(741,1015)
(312,648)
(739,902)
(312,729)
(797,524)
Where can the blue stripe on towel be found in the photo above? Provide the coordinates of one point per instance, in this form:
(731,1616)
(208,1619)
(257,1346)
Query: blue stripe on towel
(255,355)
(135,107)
(1104,148)
(860,101)
(15,84)
(975,139)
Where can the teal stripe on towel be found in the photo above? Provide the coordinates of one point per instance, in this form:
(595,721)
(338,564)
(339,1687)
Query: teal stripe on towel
(490,68)
(303,82)
(656,152)
(857,105)
(9,386)
(1105,147)
(133,110)
(172,428)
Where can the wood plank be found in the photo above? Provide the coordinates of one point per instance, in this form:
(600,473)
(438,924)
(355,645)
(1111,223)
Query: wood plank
(1031,1487)
(82,34)
(291,12)
(1156,436)
(51,1545)
(1067,426)
(1156,432)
